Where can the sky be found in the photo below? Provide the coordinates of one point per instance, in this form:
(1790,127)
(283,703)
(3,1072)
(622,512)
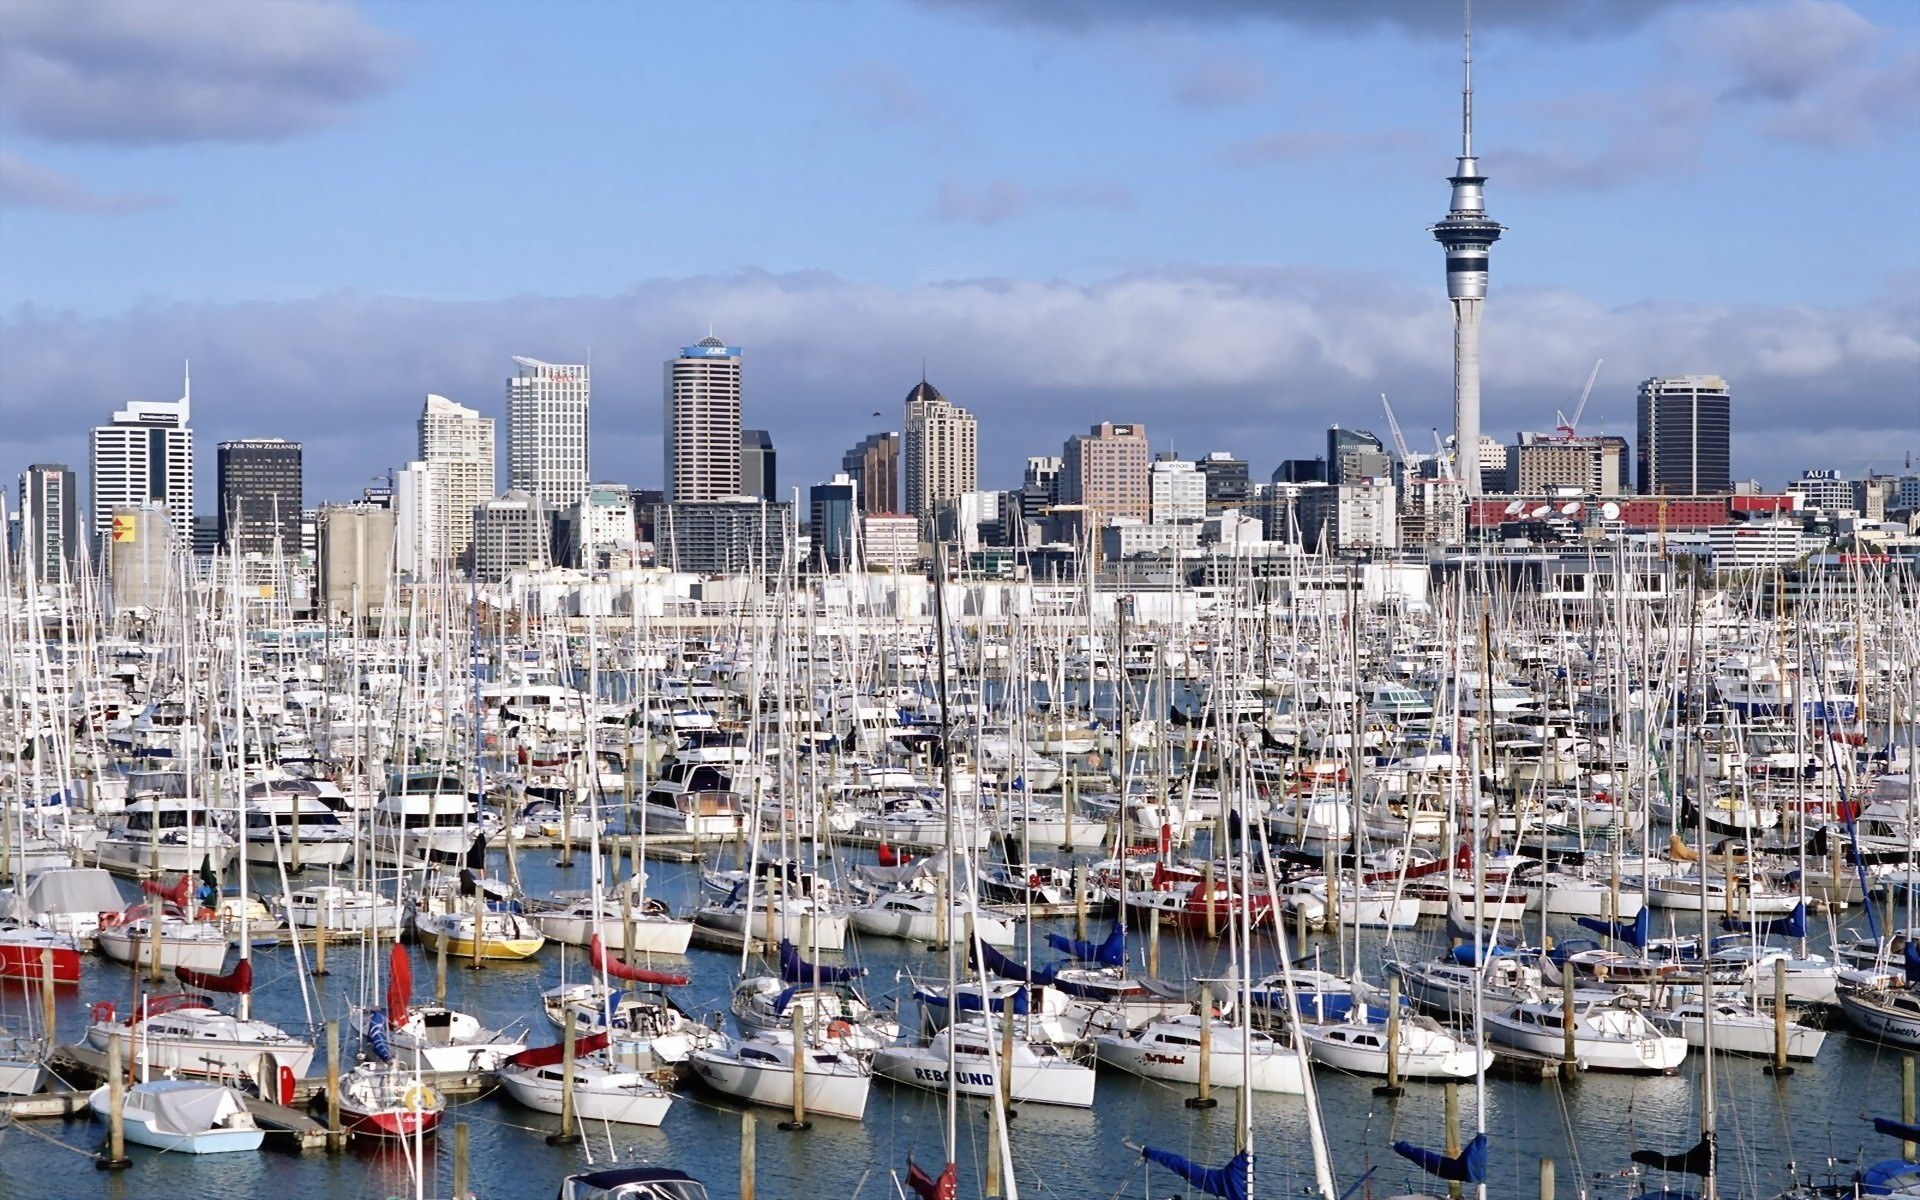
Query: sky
(1207,216)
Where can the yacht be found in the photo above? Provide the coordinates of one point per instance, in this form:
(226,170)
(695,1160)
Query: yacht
(165,834)
(1610,1033)
(1040,1072)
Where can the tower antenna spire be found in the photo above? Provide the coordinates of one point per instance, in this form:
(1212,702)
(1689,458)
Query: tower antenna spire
(1466,89)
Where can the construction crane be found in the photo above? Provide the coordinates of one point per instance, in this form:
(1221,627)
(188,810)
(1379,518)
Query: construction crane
(1399,441)
(1569,425)
(1442,459)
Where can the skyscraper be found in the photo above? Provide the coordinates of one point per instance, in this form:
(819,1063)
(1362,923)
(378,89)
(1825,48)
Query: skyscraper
(834,509)
(702,422)
(49,520)
(874,464)
(1467,233)
(1103,473)
(456,443)
(1355,454)
(261,496)
(417,523)
(941,453)
(145,456)
(1686,424)
(758,474)
(547,451)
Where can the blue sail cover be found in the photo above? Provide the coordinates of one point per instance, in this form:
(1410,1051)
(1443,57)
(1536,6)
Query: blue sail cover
(1007,968)
(794,969)
(1910,962)
(1110,953)
(377,1036)
(1634,933)
(1468,1166)
(1793,925)
(1232,1182)
(1893,1128)
(970,1002)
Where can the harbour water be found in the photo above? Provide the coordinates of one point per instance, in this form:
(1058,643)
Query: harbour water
(1589,1124)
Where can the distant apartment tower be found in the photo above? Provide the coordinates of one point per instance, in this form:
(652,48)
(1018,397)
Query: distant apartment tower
(1103,475)
(1686,425)
(1348,516)
(511,532)
(143,457)
(941,453)
(417,523)
(721,537)
(261,496)
(1540,465)
(49,521)
(758,476)
(701,418)
(889,541)
(547,444)
(456,443)
(602,528)
(834,509)
(1177,492)
(874,464)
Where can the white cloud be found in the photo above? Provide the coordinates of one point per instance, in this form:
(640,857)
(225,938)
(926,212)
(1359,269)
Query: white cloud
(162,71)
(26,184)
(1003,200)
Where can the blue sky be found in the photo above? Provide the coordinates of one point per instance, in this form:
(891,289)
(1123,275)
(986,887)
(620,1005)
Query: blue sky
(1209,216)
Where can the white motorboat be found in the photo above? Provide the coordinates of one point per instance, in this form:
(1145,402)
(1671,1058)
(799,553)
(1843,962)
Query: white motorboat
(341,909)
(1040,1073)
(423,817)
(165,834)
(759,1070)
(1169,1049)
(575,919)
(183,1116)
(1610,1034)
(801,920)
(1426,1050)
(290,824)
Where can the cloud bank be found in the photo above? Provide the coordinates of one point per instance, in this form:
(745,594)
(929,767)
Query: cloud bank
(1258,360)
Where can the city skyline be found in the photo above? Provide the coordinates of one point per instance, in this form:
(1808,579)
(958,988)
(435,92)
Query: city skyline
(1049,302)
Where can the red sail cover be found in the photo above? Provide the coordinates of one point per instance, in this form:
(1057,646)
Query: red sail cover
(947,1187)
(399,985)
(597,955)
(233,983)
(547,1056)
(175,895)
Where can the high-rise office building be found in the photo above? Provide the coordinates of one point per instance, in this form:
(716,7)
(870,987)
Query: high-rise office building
(261,496)
(1355,454)
(722,537)
(758,476)
(49,521)
(1538,465)
(1228,483)
(1467,234)
(456,443)
(145,456)
(834,510)
(1686,424)
(874,464)
(1103,475)
(547,444)
(940,451)
(602,529)
(701,412)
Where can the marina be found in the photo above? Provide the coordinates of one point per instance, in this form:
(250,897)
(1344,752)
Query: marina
(1276,838)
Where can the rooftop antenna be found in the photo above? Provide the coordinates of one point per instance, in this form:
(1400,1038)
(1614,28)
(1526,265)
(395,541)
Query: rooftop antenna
(1466,93)
(186,388)
(923,368)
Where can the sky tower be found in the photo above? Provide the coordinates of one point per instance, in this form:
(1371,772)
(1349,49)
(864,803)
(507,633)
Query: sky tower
(1467,233)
